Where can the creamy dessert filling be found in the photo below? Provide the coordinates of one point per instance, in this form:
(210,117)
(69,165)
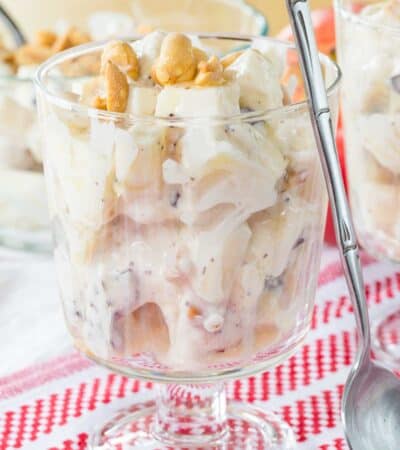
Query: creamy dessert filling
(184,239)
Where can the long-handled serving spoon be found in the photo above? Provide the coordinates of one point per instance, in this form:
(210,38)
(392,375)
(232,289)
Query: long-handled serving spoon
(16,32)
(371,401)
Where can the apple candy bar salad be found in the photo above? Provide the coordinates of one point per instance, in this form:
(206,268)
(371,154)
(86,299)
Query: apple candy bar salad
(24,219)
(370,57)
(186,221)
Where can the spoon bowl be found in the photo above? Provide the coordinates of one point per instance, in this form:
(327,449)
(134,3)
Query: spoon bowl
(371,408)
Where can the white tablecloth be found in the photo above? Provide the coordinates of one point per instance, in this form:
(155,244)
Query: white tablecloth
(31,322)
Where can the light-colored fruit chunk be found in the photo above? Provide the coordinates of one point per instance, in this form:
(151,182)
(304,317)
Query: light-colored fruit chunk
(259,84)
(212,101)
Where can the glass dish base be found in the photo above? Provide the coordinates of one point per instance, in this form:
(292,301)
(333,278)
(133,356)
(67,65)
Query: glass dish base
(386,339)
(247,427)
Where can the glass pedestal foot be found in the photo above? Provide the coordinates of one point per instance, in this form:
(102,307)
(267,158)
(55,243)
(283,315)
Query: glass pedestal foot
(386,339)
(192,424)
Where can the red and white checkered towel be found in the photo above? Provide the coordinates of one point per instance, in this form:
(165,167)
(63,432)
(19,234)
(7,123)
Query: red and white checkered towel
(55,405)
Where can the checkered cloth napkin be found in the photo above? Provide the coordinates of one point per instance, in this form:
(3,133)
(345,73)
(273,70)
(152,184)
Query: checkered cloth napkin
(57,404)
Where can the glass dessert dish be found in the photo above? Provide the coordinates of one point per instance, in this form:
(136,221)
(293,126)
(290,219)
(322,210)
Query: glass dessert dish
(368,51)
(24,218)
(191,16)
(24,222)
(169,15)
(188,207)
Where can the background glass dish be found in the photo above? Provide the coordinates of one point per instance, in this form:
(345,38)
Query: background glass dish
(177,15)
(224,16)
(23,220)
(162,339)
(369,55)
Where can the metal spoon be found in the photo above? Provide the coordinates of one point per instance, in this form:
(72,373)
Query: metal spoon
(16,32)
(371,401)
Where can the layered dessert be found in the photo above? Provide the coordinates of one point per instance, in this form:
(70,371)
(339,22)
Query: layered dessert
(24,219)
(188,219)
(369,54)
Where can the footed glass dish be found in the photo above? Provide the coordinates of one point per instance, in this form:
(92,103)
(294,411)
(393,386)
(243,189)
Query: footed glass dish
(368,52)
(188,226)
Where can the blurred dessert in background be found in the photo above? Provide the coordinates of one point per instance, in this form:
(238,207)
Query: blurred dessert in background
(170,15)
(369,54)
(24,218)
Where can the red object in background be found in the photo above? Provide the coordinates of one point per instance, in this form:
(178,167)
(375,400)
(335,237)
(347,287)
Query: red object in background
(324,27)
(329,229)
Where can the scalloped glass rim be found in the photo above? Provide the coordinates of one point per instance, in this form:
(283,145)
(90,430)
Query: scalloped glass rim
(341,7)
(176,121)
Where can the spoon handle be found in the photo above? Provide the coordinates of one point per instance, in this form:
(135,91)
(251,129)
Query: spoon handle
(300,17)
(19,38)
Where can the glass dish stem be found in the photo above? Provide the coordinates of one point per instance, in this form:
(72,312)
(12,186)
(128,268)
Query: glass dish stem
(191,414)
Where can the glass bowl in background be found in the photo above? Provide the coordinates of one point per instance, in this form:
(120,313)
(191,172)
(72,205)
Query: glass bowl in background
(172,15)
(23,215)
(369,55)
(226,16)
(185,266)
(24,221)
